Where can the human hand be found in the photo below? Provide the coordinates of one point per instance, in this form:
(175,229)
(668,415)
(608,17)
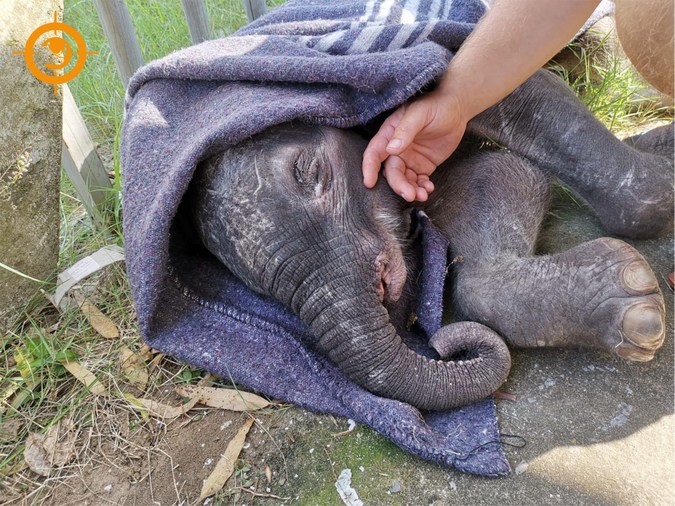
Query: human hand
(412,142)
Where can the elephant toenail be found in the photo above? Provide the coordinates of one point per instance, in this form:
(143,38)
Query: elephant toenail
(643,325)
(638,276)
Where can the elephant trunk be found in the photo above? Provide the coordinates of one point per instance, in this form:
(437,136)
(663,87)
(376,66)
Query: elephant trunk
(353,329)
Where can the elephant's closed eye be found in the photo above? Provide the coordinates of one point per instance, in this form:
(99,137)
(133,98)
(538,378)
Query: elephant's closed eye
(313,173)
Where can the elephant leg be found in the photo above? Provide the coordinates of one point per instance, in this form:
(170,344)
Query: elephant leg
(489,204)
(659,140)
(601,294)
(630,189)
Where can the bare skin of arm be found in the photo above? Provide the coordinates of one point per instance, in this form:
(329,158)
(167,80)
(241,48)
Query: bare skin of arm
(511,42)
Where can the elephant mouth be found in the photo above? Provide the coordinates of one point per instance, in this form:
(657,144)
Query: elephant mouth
(391,274)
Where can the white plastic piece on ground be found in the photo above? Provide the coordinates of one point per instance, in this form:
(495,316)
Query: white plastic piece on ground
(344,488)
(84,268)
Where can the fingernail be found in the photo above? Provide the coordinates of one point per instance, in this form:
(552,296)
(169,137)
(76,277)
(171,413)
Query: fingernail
(394,144)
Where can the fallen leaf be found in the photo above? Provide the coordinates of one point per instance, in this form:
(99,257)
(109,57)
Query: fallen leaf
(159,410)
(7,394)
(224,398)
(268,474)
(99,322)
(50,450)
(26,392)
(16,468)
(146,352)
(24,363)
(86,377)
(155,361)
(138,404)
(225,466)
(9,430)
(133,367)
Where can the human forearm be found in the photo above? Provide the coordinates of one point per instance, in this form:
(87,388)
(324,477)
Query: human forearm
(512,41)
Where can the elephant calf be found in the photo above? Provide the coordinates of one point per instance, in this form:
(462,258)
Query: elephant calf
(286,212)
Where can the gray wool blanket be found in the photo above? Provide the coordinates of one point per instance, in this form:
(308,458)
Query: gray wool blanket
(320,62)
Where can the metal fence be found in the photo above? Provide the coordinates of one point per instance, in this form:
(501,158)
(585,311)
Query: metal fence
(79,156)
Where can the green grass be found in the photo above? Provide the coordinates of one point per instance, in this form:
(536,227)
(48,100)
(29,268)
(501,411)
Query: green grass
(31,370)
(608,85)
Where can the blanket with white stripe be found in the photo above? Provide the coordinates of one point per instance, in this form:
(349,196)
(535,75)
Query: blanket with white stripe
(338,63)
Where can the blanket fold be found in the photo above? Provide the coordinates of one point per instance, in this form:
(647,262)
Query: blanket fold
(321,62)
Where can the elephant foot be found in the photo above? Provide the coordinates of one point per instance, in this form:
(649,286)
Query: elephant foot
(601,294)
(639,204)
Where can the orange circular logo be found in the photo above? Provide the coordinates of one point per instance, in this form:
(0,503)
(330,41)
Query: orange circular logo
(58,46)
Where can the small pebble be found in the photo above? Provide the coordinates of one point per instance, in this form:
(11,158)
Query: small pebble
(395,487)
(108,487)
(521,468)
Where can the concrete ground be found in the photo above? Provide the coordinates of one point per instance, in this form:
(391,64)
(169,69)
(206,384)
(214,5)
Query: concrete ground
(599,430)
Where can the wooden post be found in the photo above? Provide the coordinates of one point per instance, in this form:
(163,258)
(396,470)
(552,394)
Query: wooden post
(254,9)
(121,36)
(81,161)
(197,20)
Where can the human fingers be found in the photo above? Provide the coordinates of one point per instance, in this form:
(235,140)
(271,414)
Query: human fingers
(421,194)
(376,151)
(395,171)
(418,161)
(423,181)
(373,157)
(413,120)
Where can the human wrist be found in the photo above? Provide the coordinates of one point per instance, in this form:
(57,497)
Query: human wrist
(457,102)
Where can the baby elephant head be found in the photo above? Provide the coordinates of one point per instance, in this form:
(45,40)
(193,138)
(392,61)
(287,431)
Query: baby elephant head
(286,212)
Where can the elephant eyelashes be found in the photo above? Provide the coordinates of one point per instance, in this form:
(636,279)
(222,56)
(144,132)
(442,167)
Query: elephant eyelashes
(312,172)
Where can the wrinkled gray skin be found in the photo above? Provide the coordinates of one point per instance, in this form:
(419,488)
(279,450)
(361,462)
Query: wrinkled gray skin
(287,212)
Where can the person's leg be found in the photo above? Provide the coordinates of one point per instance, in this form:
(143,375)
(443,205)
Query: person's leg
(645,30)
